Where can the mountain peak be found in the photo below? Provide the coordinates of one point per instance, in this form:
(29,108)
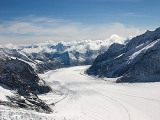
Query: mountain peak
(158,29)
(137,61)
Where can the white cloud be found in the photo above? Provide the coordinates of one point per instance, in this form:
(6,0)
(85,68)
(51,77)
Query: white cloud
(82,46)
(36,30)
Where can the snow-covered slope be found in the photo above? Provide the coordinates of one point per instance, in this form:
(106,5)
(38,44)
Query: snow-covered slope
(81,97)
(4,93)
(137,61)
(19,85)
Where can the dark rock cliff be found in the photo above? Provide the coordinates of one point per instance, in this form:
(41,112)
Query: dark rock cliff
(21,78)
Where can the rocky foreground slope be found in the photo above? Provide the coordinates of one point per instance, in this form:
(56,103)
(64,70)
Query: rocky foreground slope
(137,61)
(20,78)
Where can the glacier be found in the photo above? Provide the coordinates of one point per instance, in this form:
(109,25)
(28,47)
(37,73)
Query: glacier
(78,96)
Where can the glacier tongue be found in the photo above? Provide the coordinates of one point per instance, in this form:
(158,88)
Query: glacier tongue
(82,97)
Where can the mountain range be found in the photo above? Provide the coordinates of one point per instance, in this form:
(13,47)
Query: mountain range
(50,55)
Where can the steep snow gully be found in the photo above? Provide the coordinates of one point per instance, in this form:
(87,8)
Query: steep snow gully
(81,97)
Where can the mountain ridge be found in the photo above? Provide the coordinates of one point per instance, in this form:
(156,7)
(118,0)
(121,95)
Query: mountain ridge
(126,60)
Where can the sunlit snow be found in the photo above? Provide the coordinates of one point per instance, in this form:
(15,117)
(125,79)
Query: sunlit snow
(81,97)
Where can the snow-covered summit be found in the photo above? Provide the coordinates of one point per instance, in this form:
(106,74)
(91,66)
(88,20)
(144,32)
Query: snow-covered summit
(138,60)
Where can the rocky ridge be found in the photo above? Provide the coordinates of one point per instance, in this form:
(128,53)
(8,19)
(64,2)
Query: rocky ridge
(137,61)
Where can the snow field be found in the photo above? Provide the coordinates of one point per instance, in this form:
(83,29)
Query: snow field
(80,97)
(102,99)
(4,93)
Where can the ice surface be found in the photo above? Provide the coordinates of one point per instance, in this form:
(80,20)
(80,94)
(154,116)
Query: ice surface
(81,97)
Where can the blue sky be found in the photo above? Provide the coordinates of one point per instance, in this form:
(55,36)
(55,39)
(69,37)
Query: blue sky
(33,21)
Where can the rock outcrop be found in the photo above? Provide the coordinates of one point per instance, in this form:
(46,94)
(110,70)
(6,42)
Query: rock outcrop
(21,78)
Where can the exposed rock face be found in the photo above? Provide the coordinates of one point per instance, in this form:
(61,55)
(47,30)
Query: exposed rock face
(137,61)
(145,66)
(20,77)
(27,74)
(39,61)
(104,61)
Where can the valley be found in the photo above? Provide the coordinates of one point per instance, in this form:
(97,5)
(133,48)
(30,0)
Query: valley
(78,96)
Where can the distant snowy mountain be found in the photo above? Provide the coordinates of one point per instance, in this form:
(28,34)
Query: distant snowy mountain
(50,55)
(137,61)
